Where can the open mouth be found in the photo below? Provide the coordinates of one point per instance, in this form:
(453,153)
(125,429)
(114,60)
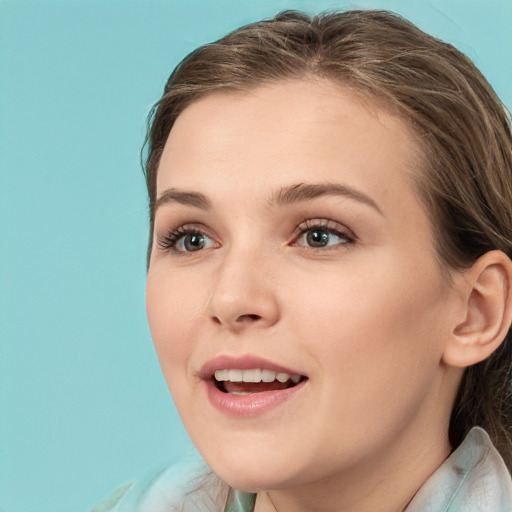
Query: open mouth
(255,380)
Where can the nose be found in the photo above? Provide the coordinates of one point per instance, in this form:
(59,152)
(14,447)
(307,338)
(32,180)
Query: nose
(244,295)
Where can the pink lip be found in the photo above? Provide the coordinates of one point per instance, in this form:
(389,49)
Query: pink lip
(246,362)
(245,406)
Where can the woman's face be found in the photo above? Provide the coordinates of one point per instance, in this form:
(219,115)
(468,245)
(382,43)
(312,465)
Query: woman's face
(290,245)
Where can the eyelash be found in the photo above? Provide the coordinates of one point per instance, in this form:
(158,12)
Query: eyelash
(169,241)
(327,226)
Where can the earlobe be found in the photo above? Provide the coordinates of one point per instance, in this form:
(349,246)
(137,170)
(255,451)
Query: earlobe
(487,311)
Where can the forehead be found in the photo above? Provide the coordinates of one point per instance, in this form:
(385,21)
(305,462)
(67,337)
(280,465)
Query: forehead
(290,131)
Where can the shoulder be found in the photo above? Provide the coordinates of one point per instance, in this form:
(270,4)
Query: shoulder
(474,479)
(185,487)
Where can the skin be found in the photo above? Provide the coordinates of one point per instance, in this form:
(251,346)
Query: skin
(367,318)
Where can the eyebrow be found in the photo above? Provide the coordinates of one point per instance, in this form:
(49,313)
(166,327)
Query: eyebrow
(302,192)
(186,198)
(292,194)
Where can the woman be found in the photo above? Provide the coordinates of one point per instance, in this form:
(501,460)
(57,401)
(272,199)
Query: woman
(329,272)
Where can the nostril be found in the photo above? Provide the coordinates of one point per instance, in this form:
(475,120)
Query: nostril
(242,319)
(248,318)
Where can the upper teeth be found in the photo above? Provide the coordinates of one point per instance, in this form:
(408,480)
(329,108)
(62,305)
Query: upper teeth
(254,375)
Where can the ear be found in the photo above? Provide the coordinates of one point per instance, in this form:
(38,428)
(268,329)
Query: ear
(487,310)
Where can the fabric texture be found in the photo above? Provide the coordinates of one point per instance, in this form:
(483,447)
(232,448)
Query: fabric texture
(473,478)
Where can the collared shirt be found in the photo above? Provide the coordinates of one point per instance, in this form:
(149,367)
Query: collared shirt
(473,478)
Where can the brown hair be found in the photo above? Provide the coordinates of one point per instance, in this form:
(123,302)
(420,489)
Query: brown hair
(460,124)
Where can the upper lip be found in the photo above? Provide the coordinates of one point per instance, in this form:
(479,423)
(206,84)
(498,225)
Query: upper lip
(245,362)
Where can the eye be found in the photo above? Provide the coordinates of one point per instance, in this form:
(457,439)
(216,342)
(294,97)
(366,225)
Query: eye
(186,239)
(191,242)
(324,233)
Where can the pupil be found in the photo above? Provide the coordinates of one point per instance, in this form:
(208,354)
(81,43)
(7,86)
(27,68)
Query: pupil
(318,238)
(194,242)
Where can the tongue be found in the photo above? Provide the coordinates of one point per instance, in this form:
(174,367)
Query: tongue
(255,387)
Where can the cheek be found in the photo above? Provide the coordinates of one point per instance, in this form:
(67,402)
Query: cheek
(368,324)
(172,314)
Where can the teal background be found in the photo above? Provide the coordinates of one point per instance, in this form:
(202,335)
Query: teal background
(83,407)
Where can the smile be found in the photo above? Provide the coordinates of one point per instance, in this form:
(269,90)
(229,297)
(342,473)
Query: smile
(255,380)
(239,388)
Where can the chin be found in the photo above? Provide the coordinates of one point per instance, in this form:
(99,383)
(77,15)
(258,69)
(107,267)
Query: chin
(251,482)
(256,474)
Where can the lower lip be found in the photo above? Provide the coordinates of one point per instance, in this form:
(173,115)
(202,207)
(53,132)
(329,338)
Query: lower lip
(246,406)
